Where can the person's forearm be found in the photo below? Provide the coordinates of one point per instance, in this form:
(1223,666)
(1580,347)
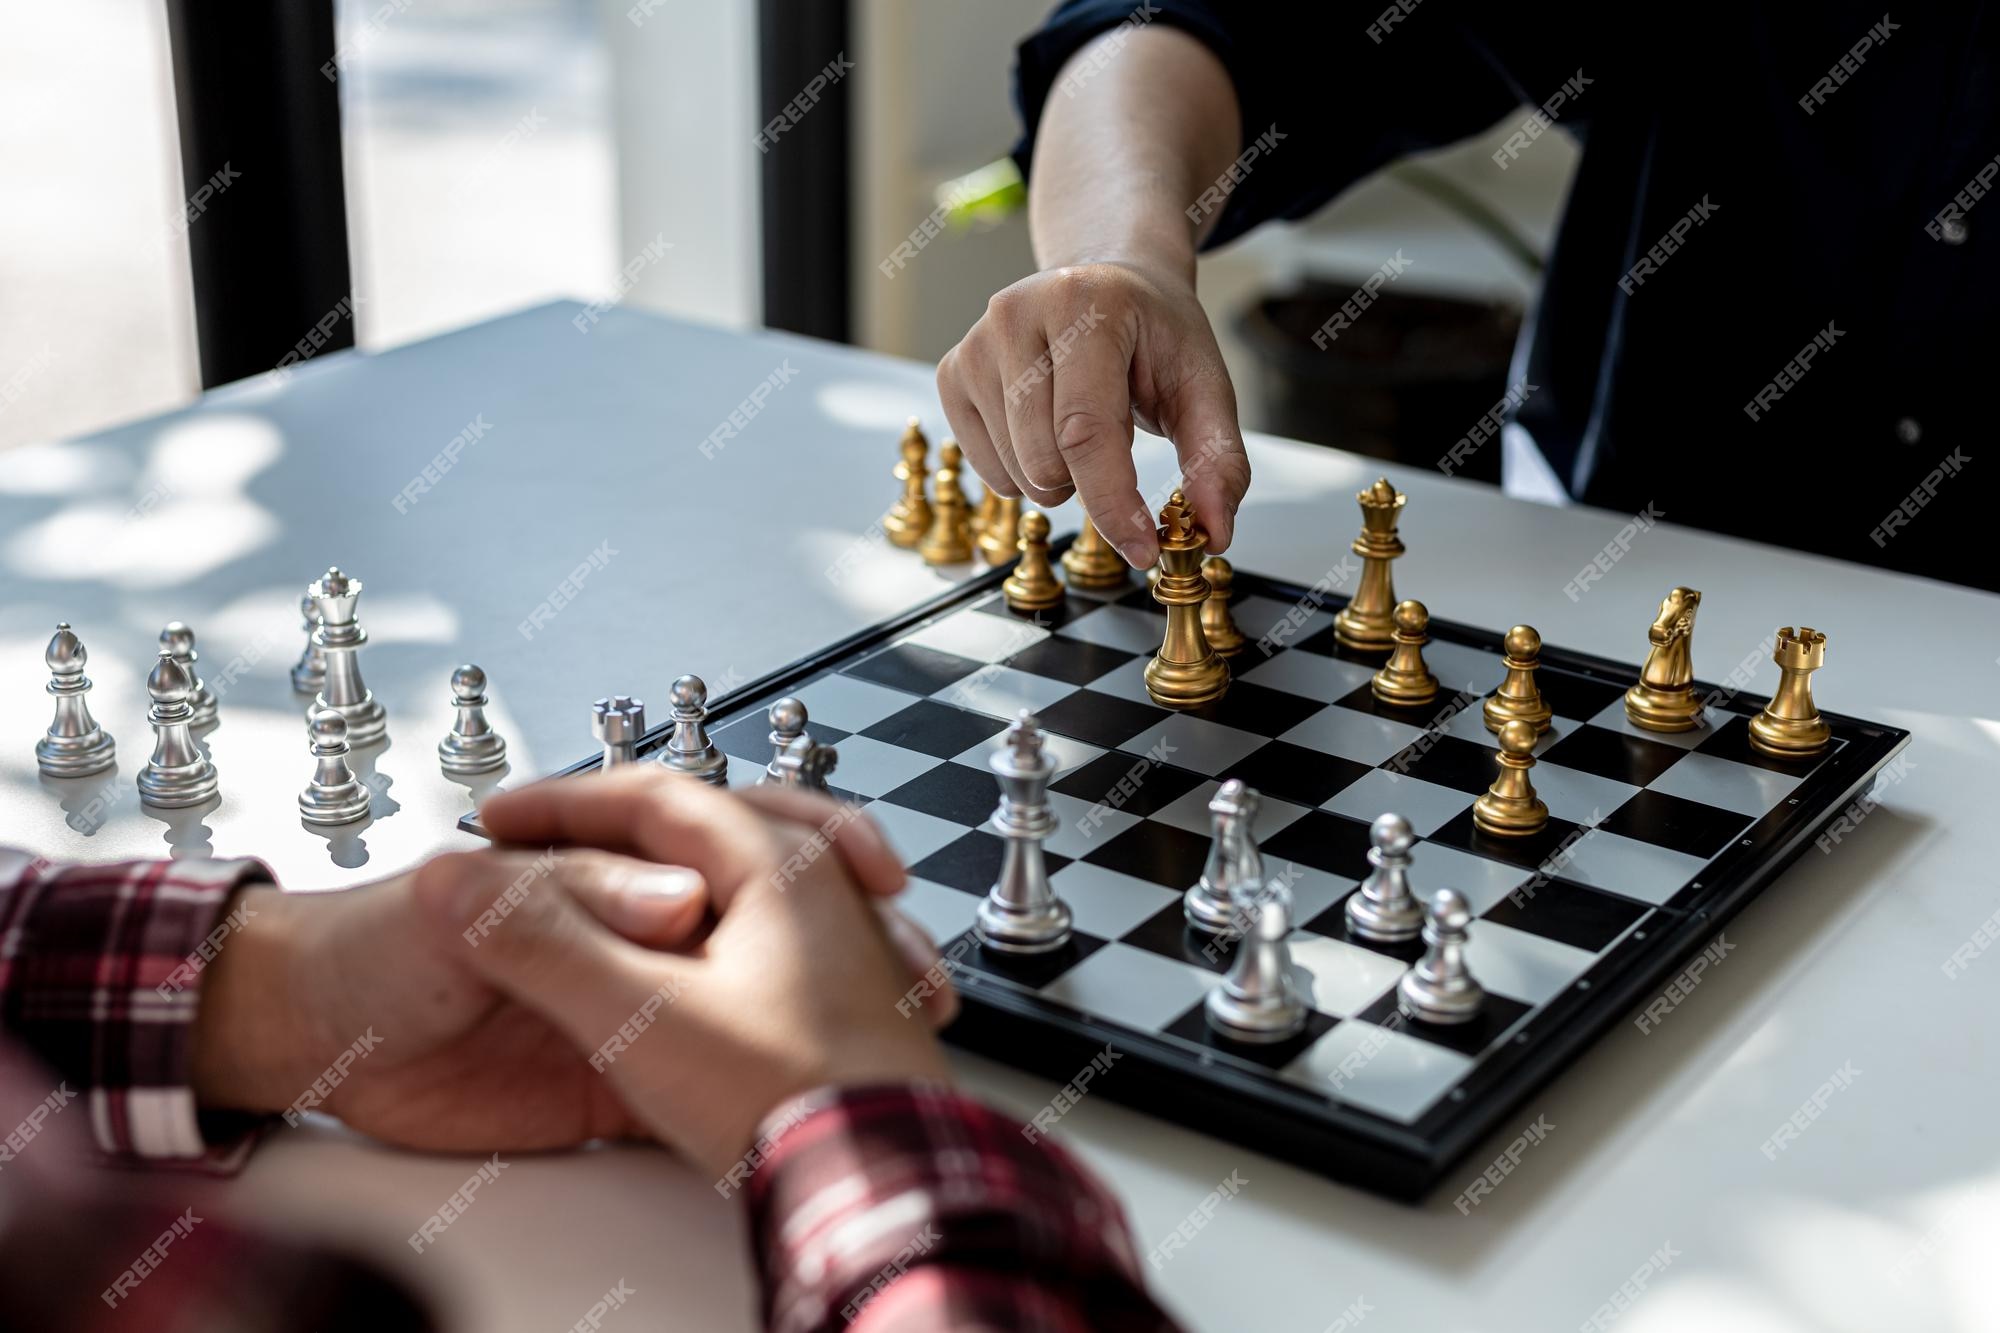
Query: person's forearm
(1141,121)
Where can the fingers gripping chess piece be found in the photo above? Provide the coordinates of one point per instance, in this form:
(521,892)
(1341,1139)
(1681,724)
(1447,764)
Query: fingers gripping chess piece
(178,639)
(1021,913)
(949,541)
(1366,623)
(472,746)
(335,795)
(1259,1000)
(1217,621)
(1384,909)
(1664,698)
(807,764)
(309,672)
(1519,698)
(1185,673)
(339,639)
(1033,585)
(1404,680)
(1234,873)
(1091,564)
(618,723)
(1440,988)
(689,750)
(1000,537)
(177,775)
(1510,808)
(74,745)
(1790,724)
(788,723)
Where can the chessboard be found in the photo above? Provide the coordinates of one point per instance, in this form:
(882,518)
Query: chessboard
(1653,842)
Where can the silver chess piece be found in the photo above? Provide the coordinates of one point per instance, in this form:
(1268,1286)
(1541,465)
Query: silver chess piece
(335,795)
(806,763)
(178,639)
(309,672)
(1259,1001)
(471,746)
(177,774)
(1021,912)
(339,639)
(689,750)
(74,744)
(1440,988)
(618,723)
(788,723)
(1234,873)
(1385,910)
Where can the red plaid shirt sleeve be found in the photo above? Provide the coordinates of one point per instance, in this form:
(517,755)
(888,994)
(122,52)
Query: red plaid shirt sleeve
(99,977)
(896,1209)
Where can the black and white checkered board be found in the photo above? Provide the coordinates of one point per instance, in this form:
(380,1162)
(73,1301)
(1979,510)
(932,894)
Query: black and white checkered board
(1653,841)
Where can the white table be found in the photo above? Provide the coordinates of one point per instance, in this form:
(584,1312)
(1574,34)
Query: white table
(1882,1215)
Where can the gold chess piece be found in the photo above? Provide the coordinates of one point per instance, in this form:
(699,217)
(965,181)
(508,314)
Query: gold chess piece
(1367,623)
(983,516)
(949,541)
(1510,808)
(1217,623)
(1519,697)
(1664,699)
(910,517)
(1092,563)
(1405,680)
(1186,673)
(1033,585)
(1790,724)
(1000,538)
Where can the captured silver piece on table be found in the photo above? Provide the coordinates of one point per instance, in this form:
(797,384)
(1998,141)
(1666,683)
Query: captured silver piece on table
(177,775)
(618,723)
(178,639)
(340,639)
(471,746)
(1021,912)
(309,672)
(335,795)
(74,744)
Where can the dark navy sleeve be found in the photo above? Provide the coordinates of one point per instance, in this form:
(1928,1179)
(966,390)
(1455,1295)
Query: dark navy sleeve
(1347,94)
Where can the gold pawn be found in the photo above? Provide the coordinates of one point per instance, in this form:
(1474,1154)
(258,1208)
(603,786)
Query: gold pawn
(1000,539)
(1216,620)
(1790,725)
(910,517)
(1519,697)
(1367,623)
(949,541)
(1404,680)
(1664,699)
(983,516)
(1092,563)
(1185,673)
(1510,808)
(1033,585)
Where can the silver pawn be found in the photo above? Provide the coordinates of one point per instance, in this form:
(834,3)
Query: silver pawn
(689,750)
(788,723)
(1440,988)
(1259,1000)
(74,744)
(1234,873)
(1385,910)
(618,723)
(806,763)
(309,672)
(1021,912)
(471,746)
(178,639)
(177,774)
(339,639)
(335,795)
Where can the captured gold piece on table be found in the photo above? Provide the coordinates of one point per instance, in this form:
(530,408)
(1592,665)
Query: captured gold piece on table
(1510,808)
(1519,698)
(1186,673)
(949,541)
(1217,622)
(910,517)
(1405,680)
(1367,622)
(1000,538)
(1033,585)
(1790,725)
(1664,699)
(1092,564)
